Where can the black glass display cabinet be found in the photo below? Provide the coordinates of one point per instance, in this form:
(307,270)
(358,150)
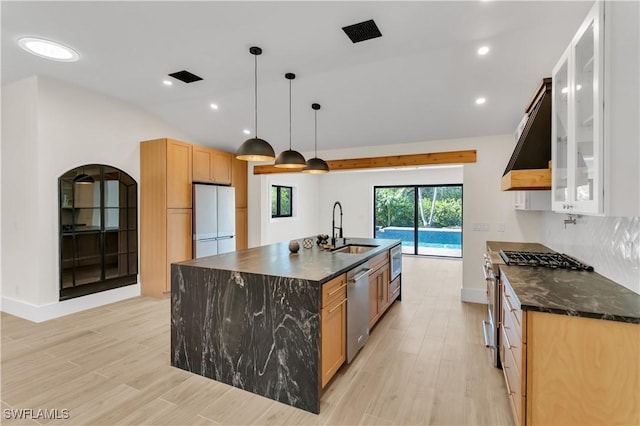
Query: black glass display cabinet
(98,216)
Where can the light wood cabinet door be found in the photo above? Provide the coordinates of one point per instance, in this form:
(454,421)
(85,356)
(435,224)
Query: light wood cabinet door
(179,164)
(383,289)
(211,165)
(241,229)
(179,239)
(201,164)
(334,339)
(378,292)
(221,167)
(239,181)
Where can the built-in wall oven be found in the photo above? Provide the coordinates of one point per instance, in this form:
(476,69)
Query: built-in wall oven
(490,325)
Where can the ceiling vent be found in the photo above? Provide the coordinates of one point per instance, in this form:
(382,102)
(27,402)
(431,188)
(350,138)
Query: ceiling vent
(363,31)
(185,76)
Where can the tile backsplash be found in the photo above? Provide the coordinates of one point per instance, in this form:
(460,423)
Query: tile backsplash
(610,244)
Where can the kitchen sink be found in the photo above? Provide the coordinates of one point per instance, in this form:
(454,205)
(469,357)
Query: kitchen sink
(354,249)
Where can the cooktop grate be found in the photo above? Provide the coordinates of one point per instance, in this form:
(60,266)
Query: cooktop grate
(543,260)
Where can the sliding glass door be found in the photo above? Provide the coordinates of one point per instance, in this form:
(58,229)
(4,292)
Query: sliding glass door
(426,218)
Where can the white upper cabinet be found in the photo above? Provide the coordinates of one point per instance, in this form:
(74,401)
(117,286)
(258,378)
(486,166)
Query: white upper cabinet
(594,127)
(576,123)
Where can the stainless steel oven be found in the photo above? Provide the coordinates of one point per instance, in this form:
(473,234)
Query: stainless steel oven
(490,325)
(396,261)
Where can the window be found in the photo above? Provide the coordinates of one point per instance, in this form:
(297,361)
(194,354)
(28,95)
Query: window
(281,201)
(426,218)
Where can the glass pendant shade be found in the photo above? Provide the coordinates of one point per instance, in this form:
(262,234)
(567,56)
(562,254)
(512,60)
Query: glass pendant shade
(255,149)
(290,159)
(316,165)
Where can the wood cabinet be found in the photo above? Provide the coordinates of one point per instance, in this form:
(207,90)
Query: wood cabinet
(333,333)
(211,165)
(242,233)
(165,211)
(378,287)
(178,172)
(594,127)
(239,182)
(562,369)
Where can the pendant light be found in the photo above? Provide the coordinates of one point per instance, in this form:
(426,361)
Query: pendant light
(290,159)
(255,149)
(315,164)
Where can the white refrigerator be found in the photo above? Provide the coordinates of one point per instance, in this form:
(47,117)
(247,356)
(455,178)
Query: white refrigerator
(214,220)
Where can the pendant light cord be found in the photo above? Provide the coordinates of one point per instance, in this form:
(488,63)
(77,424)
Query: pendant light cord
(289,115)
(316,132)
(255,81)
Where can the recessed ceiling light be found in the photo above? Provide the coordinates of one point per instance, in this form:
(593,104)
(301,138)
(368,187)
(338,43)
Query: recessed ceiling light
(214,106)
(565,90)
(480,101)
(246,132)
(483,50)
(578,87)
(167,82)
(48,49)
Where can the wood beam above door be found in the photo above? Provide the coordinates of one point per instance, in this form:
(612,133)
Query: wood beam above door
(411,160)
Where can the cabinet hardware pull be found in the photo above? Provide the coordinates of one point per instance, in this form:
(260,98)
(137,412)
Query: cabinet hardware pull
(511,308)
(506,339)
(509,391)
(337,306)
(331,293)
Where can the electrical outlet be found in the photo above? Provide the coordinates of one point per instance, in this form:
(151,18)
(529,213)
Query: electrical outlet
(481,226)
(501,227)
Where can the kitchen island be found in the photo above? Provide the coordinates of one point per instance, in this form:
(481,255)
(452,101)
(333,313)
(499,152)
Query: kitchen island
(252,318)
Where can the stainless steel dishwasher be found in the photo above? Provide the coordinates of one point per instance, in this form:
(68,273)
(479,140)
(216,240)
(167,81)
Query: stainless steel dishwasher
(357,309)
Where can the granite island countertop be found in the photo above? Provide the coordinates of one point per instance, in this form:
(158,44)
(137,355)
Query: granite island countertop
(566,292)
(314,264)
(252,318)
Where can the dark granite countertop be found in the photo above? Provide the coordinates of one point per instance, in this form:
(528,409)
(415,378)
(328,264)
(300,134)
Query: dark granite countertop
(314,264)
(568,292)
(565,292)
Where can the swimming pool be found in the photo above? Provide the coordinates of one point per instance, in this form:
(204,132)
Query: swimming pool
(449,240)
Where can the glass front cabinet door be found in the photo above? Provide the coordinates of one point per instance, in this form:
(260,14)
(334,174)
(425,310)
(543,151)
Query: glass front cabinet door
(576,128)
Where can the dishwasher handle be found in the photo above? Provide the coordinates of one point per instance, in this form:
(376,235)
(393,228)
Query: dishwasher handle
(360,275)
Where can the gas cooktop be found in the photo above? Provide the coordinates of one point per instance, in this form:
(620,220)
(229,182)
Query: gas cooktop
(543,260)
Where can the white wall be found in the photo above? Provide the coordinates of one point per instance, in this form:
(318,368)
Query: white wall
(48,128)
(265,230)
(483,202)
(354,190)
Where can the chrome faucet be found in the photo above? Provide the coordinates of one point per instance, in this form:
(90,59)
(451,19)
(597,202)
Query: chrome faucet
(333,223)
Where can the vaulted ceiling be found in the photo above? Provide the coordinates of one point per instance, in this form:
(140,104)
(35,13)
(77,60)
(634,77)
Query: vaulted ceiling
(417,82)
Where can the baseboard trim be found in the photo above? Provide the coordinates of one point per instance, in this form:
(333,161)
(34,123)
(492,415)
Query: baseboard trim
(473,295)
(40,313)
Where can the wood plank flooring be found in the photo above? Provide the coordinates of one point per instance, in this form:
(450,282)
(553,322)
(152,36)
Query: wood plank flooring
(424,363)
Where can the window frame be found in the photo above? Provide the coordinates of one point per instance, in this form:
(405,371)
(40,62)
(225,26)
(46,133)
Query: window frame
(416,188)
(279,189)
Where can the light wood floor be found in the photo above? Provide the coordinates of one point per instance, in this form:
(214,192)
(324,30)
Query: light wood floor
(424,363)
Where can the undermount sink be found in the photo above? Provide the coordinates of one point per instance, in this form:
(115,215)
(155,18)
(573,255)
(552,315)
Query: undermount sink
(354,249)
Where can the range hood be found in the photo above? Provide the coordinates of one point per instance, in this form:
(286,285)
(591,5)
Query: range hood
(530,165)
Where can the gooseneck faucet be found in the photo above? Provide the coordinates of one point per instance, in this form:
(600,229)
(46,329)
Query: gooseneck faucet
(333,223)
